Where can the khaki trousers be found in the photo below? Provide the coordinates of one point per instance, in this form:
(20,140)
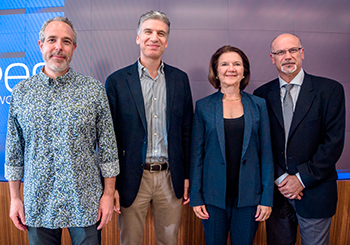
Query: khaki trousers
(155,188)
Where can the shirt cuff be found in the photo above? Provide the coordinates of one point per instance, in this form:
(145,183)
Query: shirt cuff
(281,178)
(298,176)
(14,173)
(110,169)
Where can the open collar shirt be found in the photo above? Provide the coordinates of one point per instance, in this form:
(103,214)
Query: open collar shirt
(60,139)
(154,97)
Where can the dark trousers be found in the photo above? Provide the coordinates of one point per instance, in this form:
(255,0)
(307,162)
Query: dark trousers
(79,235)
(239,221)
(281,227)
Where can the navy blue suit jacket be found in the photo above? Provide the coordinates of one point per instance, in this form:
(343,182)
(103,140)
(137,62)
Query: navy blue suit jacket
(315,141)
(128,112)
(208,154)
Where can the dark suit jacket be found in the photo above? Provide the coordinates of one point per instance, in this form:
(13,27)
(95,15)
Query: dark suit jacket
(128,112)
(208,154)
(315,142)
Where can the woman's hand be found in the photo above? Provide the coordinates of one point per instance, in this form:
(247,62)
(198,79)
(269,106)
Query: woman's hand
(262,213)
(201,212)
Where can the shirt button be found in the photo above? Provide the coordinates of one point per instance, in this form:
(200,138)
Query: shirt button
(155,134)
(154,98)
(155,116)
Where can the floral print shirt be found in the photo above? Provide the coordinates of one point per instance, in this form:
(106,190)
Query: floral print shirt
(60,139)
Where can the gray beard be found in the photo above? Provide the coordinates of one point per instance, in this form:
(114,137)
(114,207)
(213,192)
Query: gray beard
(289,71)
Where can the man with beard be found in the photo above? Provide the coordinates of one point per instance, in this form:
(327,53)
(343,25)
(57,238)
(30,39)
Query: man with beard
(307,120)
(57,119)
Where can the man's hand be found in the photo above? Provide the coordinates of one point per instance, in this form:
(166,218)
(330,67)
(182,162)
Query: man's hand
(201,212)
(116,202)
(186,197)
(17,214)
(17,207)
(105,210)
(106,205)
(262,213)
(291,187)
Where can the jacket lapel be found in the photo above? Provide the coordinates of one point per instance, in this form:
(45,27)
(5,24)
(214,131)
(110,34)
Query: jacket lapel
(305,99)
(219,121)
(170,90)
(274,100)
(247,122)
(135,88)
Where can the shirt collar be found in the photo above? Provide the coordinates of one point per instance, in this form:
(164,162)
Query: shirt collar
(297,80)
(144,72)
(66,78)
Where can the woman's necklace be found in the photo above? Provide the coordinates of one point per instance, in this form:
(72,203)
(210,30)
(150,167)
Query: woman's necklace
(238,98)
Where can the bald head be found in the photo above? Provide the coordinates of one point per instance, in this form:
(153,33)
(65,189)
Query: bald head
(287,55)
(285,36)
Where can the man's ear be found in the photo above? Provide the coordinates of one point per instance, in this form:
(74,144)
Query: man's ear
(41,44)
(272,58)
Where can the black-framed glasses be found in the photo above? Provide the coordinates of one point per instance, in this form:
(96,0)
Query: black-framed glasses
(283,52)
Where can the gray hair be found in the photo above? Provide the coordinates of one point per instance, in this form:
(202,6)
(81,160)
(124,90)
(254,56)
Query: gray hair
(61,19)
(153,15)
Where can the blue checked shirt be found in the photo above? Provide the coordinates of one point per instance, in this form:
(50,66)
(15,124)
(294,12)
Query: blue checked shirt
(60,139)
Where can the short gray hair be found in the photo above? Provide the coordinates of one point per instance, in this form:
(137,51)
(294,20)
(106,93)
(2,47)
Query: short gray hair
(153,15)
(61,19)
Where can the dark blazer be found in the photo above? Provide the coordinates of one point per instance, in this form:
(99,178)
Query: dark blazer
(315,142)
(130,125)
(208,154)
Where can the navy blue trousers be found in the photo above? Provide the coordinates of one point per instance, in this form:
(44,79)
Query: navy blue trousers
(239,221)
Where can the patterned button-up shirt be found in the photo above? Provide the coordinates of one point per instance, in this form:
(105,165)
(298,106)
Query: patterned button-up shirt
(60,138)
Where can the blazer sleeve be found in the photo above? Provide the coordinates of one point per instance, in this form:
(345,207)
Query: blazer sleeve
(197,158)
(266,158)
(112,95)
(328,152)
(187,127)
(113,100)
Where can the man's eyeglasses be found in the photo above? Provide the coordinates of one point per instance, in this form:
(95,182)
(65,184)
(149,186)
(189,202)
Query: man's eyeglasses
(283,52)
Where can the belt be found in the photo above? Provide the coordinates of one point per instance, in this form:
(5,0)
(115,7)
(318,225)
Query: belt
(156,166)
